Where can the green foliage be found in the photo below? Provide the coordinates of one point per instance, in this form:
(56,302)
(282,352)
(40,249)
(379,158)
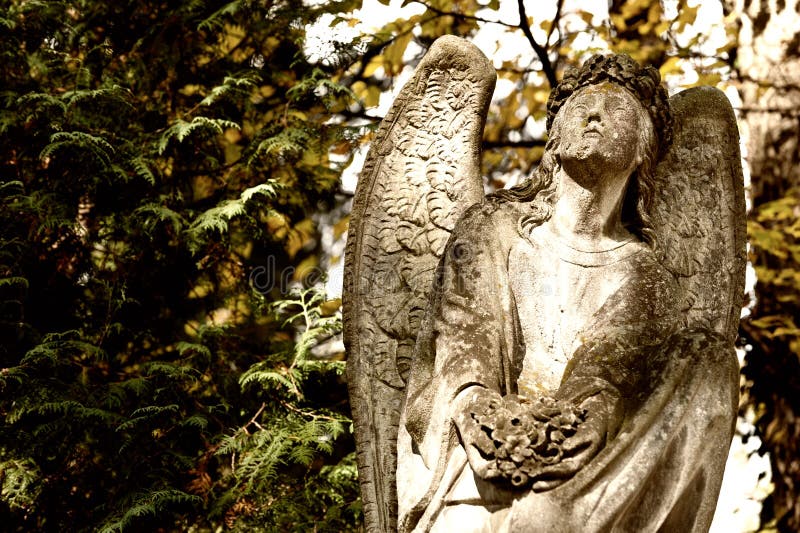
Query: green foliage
(19,483)
(182,130)
(138,191)
(148,505)
(288,432)
(773,334)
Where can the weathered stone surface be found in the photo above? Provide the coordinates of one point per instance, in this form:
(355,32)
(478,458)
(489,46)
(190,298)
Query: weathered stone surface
(422,171)
(570,365)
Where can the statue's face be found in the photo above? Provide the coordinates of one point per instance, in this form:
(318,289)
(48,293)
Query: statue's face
(600,132)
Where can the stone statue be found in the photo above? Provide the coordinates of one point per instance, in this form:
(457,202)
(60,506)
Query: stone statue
(557,356)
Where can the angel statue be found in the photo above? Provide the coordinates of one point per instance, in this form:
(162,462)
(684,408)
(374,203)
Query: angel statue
(557,356)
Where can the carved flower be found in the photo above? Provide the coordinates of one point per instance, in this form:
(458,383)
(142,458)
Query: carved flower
(519,478)
(521,451)
(523,436)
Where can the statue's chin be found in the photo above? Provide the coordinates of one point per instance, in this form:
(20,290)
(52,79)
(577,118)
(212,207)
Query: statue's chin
(586,163)
(585,166)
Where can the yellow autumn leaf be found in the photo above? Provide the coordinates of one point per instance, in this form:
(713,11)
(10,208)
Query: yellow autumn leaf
(341,226)
(655,13)
(372,96)
(632,8)
(393,54)
(359,88)
(374,64)
(671,66)
(712,78)
(308,270)
(368,95)
(189,89)
(662,27)
(330,307)
(312,158)
(687,16)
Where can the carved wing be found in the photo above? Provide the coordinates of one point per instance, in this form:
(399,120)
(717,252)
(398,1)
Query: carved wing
(422,171)
(699,211)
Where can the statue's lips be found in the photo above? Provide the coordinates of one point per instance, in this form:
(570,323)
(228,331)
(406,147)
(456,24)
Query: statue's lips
(592,132)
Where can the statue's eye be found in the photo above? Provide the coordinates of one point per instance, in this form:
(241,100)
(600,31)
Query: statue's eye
(580,108)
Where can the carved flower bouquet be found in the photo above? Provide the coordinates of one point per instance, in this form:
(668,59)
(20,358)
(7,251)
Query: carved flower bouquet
(521,436)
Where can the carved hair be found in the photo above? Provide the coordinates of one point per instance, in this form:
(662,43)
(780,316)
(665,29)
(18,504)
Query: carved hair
(638,199)
(644,83)
(540,189)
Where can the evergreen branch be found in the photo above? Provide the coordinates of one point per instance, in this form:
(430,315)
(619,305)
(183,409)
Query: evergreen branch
(144,414)
(152,214)
(269,189)
(20,484)
(241,85)
(17,281)
(311,414)
(78,140)
(52,104)
(182,129)
(254,419)
(149,504)
(258,374)
(141,166)
(215,21)
(116,94)
(184,348)
(15,374)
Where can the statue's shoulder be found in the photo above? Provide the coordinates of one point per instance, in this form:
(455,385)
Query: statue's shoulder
(650,277)
(646,260)
(491,220)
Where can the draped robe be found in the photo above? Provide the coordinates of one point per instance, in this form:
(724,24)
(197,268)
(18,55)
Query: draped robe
(672,390)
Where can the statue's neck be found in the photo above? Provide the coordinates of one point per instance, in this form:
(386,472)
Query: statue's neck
(588,212)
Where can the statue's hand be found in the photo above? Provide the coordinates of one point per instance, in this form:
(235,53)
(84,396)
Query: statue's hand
(532,444)
(474,440)
(578,450)
(603,417)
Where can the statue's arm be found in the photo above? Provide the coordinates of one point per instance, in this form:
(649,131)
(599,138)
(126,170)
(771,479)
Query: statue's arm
(463,348)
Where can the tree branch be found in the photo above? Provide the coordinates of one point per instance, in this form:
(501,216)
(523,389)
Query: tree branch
(553,27)
(556,20)
(359,113)
(376,47)
(540,50)
(505,143)
(442,12)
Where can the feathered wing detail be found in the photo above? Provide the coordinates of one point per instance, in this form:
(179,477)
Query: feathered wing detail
(699,211)
(422,171)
